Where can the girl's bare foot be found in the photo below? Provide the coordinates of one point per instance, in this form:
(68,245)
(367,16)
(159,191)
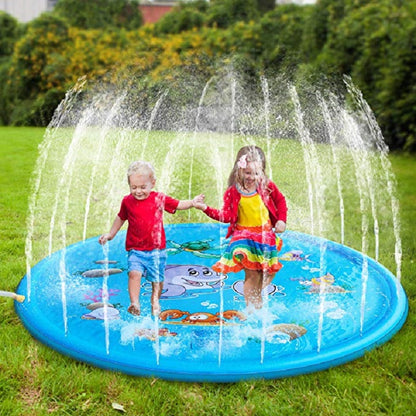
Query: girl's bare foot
(267,279)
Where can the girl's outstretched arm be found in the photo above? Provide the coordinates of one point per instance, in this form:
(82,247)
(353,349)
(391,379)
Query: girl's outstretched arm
(226,214)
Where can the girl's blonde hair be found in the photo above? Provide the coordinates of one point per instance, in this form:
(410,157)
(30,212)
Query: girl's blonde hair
(141,167)
(252,154)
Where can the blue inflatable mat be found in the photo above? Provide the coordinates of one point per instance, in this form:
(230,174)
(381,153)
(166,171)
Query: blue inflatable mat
(328,305)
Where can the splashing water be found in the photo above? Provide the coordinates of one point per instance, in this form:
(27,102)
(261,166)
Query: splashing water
(389,180)
(328,158)
(60,118)
(332,140)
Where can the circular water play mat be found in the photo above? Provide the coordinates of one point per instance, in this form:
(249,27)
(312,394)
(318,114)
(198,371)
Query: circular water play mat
(328,305)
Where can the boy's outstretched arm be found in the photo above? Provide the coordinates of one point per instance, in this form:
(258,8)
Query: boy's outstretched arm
(189,203)
(117,224)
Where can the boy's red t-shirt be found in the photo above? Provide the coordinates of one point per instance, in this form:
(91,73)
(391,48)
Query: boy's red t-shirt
(145,217)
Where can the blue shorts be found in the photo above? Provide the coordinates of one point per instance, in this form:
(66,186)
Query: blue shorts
(151,264)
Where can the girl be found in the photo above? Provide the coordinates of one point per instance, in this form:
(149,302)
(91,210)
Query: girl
(253,205)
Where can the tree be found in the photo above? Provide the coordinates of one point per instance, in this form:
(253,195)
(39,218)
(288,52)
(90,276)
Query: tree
(96,14)
(224,13)
(282,34)
(396,91)
(374,43)
(9,33)
(185,16)
(45,37)
(36,66)
(265,6)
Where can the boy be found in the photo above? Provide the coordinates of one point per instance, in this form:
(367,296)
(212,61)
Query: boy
(145,240)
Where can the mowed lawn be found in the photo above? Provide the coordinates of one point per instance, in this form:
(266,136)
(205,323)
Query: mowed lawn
(36,380)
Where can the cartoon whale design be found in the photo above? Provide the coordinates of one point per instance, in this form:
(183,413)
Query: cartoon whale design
(186,280)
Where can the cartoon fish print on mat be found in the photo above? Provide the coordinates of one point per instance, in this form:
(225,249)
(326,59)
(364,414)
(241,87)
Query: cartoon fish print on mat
(322,284)
(99,312)
(294,255)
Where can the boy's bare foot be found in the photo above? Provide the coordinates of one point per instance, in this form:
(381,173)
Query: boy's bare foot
(134,309)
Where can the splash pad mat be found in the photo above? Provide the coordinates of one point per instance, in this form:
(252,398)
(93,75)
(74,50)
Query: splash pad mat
(327,306)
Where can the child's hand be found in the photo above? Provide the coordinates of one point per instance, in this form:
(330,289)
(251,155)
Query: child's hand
(198,202)
(280,227)
(199,198)
(104,238)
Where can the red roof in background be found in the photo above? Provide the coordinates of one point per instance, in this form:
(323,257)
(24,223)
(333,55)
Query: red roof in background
(153,12)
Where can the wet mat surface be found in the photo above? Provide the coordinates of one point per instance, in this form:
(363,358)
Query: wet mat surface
(328,305)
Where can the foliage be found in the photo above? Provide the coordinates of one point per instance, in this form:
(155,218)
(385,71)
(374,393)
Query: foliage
(266,5)
(36,66)
(396,87)
(282,34)
(34,52)
(184,16)
(369,40)
(9,33)
(220,13)
(223,13)
(374,44)
(315,31)
(5,99)
(100,14)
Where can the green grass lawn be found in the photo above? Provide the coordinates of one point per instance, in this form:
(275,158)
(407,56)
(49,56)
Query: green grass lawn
(37,380)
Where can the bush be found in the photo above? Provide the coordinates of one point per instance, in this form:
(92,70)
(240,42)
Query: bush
(5,101)
(99,14)
(9,33)
(224,13)
(183,19)
(45,36)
